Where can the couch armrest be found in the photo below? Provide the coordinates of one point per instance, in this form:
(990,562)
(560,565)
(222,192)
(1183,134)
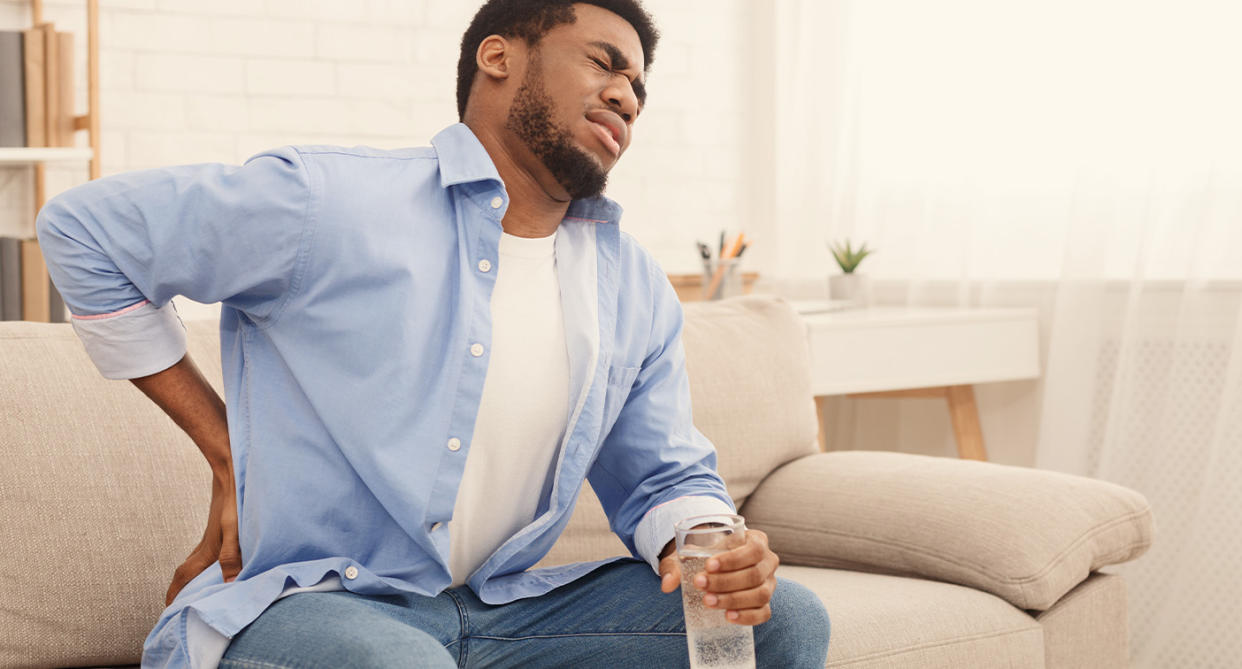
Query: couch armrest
(1026,535)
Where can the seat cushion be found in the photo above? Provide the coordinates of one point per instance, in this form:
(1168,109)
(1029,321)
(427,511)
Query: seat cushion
(896,622)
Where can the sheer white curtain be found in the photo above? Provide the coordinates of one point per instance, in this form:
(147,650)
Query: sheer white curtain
(1083,155)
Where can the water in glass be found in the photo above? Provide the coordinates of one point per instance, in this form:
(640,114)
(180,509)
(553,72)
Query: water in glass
(713,641)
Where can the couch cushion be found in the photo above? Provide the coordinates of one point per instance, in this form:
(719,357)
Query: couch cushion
(892,622)
(1026,535)
(102,496)
(750,386)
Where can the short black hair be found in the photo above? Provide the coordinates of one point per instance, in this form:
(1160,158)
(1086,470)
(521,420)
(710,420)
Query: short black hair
(531,20)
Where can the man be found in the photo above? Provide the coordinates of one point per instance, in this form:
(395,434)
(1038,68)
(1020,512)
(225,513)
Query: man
(387,314)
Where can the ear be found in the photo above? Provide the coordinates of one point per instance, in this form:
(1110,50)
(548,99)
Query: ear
(494,57)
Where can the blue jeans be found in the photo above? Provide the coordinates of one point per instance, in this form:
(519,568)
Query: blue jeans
(615,616)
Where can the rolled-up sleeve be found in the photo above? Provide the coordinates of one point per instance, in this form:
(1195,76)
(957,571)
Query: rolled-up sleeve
(655,467)
(120,248)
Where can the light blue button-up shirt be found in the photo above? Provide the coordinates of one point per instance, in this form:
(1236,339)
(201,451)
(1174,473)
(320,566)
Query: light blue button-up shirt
(355,329)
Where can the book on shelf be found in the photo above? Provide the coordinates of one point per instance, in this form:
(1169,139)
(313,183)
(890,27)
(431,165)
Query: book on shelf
(10,279)
(57,107)
(36,78)
(63,119)
(36,87)
(12,89)
(26,291)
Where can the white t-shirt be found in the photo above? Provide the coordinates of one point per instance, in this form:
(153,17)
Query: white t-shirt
(523,410)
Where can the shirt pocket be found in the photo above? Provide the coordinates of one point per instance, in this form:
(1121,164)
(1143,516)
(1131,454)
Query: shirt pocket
(620,381)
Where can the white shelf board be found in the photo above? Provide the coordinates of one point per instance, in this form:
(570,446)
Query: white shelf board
(29,155)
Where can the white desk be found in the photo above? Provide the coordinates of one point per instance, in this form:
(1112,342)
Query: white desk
(922,352)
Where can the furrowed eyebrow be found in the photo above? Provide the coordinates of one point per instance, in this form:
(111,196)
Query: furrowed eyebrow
(620,62)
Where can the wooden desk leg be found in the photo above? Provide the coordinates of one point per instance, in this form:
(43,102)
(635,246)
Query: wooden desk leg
(821,418)
(966,428)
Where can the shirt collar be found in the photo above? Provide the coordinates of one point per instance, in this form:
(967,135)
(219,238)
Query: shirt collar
(464,160)
(462,157)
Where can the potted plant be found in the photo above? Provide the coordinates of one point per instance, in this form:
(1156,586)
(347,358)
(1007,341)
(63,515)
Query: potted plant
(848,285)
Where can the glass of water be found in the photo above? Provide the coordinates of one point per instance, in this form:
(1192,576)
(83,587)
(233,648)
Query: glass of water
(713,641)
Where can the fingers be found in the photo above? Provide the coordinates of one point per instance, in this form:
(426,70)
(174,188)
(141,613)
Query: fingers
(742,581)
(750,616)
(206,553)
(173,588)
(739,569)
(193,566)
(746,555)
(670,574)
(744,607)
(230,562)
(220,540)
(742,600)
(734,581)
(230,545)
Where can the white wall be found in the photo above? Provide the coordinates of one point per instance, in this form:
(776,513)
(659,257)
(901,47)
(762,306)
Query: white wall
(185,82)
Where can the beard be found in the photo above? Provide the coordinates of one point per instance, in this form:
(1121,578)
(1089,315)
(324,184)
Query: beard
(530,118)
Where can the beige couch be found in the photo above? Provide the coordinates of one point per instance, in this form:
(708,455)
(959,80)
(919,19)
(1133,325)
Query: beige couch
(921,562)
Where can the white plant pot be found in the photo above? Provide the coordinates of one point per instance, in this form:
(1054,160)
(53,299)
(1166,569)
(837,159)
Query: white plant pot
(849,287)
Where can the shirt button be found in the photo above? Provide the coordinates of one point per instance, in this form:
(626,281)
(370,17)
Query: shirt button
(436,526)
(485,265)
(454,444)
(476,350)
(497,201)
(351,572)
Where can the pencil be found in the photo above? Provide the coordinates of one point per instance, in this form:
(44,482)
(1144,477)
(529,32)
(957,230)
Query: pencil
(720,266)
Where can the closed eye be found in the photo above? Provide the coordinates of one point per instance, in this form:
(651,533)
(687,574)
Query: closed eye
(618,62)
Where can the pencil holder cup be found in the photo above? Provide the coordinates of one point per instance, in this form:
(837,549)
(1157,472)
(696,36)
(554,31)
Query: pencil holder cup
(728,285)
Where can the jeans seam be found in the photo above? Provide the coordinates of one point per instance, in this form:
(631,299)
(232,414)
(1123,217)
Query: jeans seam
(464,617)
(575,634)
(251,663)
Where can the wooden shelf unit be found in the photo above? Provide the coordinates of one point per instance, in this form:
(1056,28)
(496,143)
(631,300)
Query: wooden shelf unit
(39,156)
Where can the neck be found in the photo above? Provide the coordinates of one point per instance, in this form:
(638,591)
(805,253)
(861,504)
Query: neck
(533,210)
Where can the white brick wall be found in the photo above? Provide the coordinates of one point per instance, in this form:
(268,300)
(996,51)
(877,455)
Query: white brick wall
(184,81)
(187,81)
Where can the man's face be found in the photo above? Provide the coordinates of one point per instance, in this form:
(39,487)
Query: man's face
(579,98)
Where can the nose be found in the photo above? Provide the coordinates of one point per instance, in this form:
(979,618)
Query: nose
(621,98)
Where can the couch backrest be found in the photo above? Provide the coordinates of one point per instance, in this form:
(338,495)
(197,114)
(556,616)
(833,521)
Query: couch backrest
(750,388)
(102,495)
